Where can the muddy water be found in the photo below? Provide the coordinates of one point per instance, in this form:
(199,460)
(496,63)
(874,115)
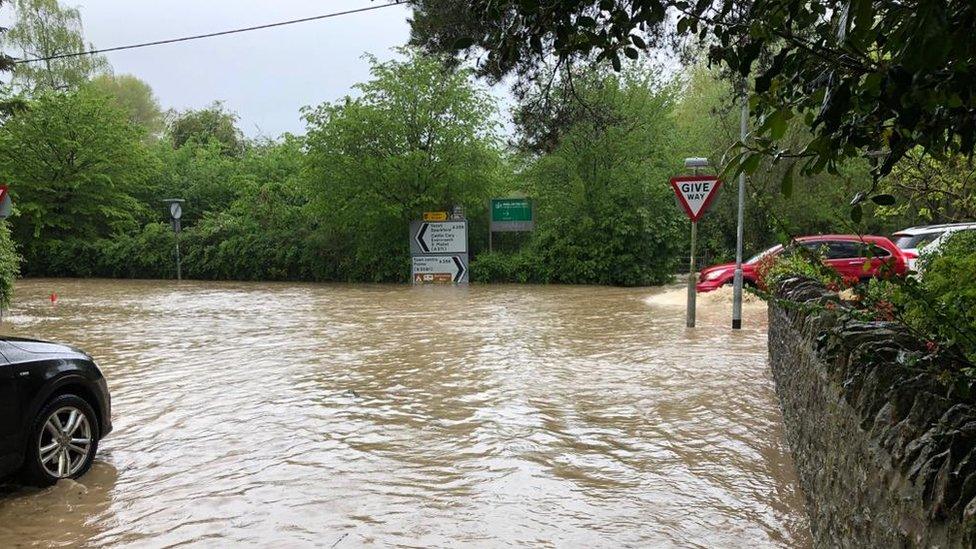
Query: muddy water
(320,415)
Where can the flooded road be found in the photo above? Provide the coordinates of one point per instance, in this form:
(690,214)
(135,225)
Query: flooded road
(329,415)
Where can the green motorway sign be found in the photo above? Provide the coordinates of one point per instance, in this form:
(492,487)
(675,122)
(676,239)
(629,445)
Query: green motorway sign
(504,210)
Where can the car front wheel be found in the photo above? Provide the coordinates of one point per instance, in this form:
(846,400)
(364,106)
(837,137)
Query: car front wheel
(62,441)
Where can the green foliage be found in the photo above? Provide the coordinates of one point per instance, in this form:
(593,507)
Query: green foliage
(495,267)
(420,137)
(9,266)
(145,254)
(267,233)
(879,69)
(932,190)
(707,117)
(213,124)
(134,97)
(6,61)
(44,28)
(200,173)
(772,271)
(605,212)
(860,76)
(72,161)
(942,304)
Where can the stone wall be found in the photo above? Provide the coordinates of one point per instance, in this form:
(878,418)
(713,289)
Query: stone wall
(885,458)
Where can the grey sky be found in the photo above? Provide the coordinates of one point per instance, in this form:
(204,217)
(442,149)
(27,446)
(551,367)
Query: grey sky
(266,76)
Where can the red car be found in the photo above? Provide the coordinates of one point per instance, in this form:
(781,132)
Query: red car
(853,257)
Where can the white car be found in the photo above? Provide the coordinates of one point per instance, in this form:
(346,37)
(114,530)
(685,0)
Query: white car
(932,248)
(911,241)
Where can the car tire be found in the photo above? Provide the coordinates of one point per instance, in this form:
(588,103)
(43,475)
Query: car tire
(65,445)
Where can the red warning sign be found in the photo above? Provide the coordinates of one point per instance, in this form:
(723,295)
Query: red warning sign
(696,193)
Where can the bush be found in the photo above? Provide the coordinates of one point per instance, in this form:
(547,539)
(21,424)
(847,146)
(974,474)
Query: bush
(774,269)
(518,268)
(150,253)
(9,266)
(942,305)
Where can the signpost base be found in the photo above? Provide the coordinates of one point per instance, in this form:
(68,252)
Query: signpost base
(692,294)
(737,300)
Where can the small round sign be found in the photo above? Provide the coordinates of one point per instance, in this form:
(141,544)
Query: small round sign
(176,210)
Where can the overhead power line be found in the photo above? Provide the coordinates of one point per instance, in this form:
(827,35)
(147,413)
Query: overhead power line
(212,34)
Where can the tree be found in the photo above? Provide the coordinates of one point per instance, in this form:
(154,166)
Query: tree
(9,259)
(7,104)
(932,190)
(707,119)
(420,137)
(6,62)
(214,123)
(203,174)
(72,161)
(861,75)
(44,29)
(606,214)
(268,232)
(135,97)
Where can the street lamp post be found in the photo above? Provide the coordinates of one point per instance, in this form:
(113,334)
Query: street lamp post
(176,213)
(740,224)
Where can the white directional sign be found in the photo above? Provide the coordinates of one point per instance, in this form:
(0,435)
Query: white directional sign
(440,269)
(447,237)
(176,210)
(695,193)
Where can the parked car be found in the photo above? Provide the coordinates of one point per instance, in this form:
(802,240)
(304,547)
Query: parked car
(54,409)
(853,257)
(932,248)
(912,240)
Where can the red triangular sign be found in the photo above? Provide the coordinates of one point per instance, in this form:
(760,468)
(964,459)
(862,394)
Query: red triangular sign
(695,193)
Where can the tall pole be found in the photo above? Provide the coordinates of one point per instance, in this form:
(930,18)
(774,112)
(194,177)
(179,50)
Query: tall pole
(692,279)
(692,295)
(179,263)
(740,227)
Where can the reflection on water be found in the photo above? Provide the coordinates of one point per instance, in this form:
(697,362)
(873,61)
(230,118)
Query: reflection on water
(295,415)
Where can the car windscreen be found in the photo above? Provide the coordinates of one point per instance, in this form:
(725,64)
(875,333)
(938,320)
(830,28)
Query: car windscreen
(764,253)
(909,242)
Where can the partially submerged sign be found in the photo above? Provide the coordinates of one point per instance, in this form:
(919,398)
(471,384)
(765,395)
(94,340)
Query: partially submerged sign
(440,269)
(439,251)
(447,237)
(512,215)
(695,193)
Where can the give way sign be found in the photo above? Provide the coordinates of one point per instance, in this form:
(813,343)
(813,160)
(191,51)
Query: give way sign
(696,193)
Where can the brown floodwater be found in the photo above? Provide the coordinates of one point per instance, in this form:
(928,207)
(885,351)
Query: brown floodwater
(348,415)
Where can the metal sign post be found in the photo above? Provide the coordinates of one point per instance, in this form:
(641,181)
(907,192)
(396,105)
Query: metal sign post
(176,213)
(695,195)
(692,293)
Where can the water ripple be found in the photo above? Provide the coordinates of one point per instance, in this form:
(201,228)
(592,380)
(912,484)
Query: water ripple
(307,415)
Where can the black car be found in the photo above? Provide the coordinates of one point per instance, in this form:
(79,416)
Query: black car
(54,408)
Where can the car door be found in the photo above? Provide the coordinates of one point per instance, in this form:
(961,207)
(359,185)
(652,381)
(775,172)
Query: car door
(847,258)
(9,414)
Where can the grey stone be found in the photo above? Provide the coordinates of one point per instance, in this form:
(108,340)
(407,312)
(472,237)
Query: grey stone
(886,453)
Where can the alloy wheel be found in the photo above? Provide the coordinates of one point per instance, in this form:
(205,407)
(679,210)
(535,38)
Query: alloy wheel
(65,442)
